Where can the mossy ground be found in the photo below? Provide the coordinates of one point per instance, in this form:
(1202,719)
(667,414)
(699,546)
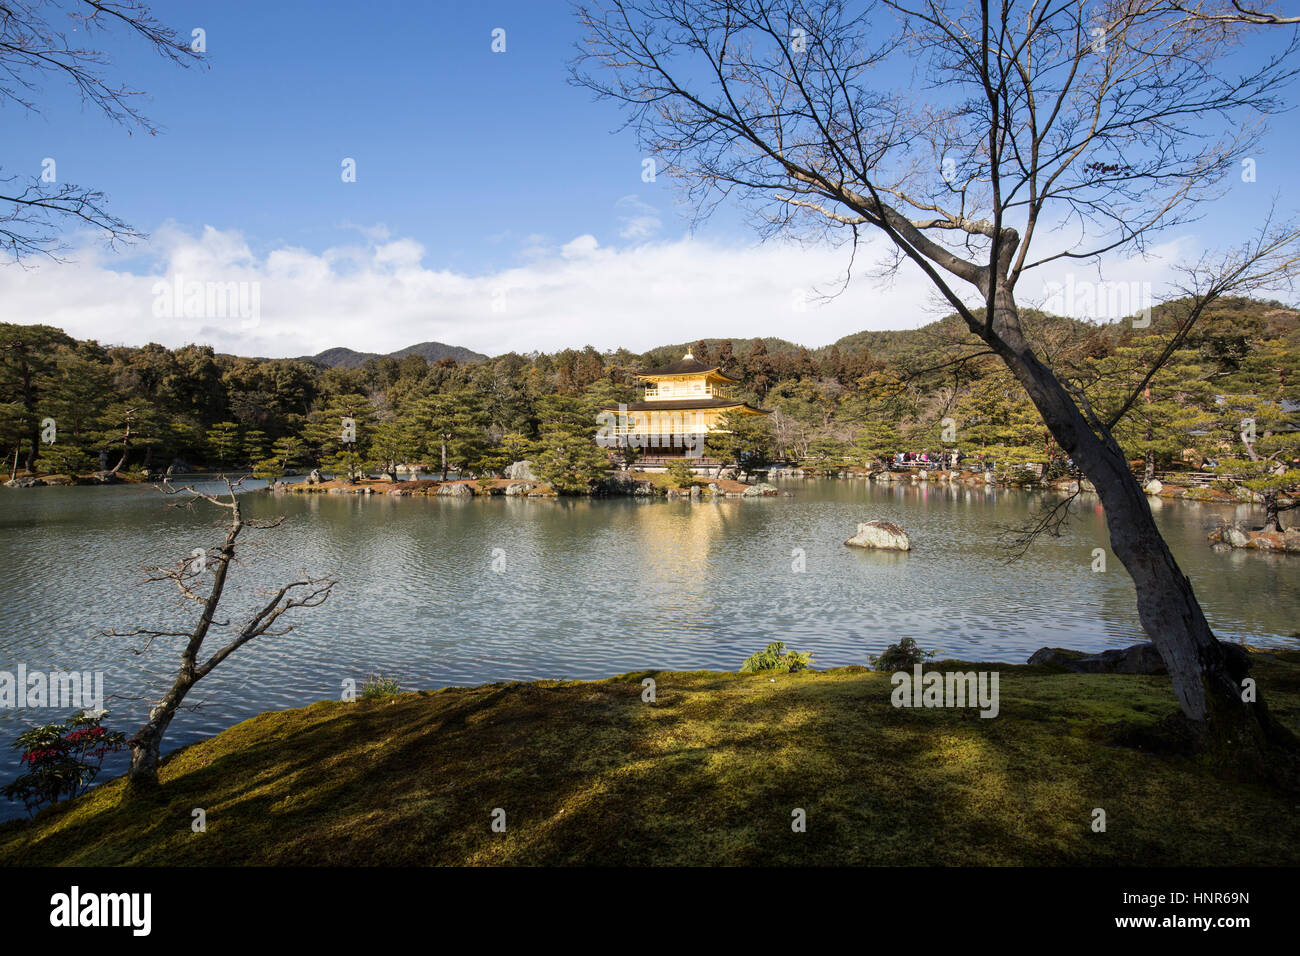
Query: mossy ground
(708,774)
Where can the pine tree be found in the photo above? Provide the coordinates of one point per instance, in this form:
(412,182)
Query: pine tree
(569,460)
(223,442)
(741,440)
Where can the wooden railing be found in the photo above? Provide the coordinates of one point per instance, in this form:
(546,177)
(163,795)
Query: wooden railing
(1194,477)
(654,394)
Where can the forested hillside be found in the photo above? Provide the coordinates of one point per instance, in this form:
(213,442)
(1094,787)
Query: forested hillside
(432,351)
(73,407)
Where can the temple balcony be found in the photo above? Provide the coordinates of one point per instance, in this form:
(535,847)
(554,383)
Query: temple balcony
(653,394)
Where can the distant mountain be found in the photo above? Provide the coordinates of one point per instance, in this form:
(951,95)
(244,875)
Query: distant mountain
(664,354)
(432,351)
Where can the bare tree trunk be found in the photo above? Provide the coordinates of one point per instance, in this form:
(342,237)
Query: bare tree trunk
(33,435)
(1207,680)
(126,444)
(1272,517)
(146,743)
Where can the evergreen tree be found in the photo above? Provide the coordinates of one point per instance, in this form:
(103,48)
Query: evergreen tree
(741,440)
(450,430)
(569,460)
(223,442)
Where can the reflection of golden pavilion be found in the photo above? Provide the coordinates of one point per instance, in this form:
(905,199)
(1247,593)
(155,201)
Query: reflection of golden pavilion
(687,541)
(682,403)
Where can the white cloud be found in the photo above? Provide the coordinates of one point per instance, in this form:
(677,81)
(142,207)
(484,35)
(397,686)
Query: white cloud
(583,247)
(640,220)
(382,296)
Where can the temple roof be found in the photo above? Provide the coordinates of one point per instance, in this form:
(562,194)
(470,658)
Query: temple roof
(687,365)
(685,404)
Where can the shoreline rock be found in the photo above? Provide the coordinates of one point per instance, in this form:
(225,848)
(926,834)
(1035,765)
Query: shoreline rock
(521,471)
(1234,536)
(1138,659)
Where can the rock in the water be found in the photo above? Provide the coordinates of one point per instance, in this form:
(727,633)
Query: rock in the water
(459,489)
(882,535)
(26,481)
(1153,487)
(521,471)
(762,488)
(1138,659)
(1226,536)
(516,488)
(314,478)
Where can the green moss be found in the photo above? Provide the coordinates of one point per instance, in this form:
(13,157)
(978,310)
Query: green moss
(588,772)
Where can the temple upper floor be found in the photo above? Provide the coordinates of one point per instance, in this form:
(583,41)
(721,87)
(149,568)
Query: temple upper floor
(685,379)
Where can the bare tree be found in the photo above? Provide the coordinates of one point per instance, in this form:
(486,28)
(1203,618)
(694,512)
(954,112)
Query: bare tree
(1234,12)
(202,579)
(40,39)
(983,140)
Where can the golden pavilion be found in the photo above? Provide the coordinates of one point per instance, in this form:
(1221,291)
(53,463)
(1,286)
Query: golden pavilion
(682,403)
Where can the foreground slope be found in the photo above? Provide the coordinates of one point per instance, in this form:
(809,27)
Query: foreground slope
(710,773)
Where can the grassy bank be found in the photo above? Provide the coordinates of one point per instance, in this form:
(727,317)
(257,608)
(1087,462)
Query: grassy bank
(709,773)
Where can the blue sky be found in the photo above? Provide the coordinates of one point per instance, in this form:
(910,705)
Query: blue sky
(477,173)
(456,146)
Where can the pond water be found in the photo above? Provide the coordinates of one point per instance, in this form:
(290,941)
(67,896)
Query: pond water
(443,591)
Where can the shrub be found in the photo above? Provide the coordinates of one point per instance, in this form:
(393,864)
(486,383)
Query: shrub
(680,474)
(775,657)
(62,760)
(569,461)
(268,468)
(378,686)
(901,656)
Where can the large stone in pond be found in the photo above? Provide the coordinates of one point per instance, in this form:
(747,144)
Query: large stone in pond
(881,535)
(1235,536)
